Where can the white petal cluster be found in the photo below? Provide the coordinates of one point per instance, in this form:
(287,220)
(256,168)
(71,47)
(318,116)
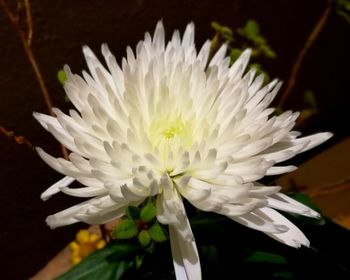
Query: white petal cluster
(171,124)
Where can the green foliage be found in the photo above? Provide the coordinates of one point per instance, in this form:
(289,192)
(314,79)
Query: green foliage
(61,76)
(221,242)
(158,234)
(306,200)
(265,257)
(148,211)
(133,212)
(342,8)
(144,238)
(139,260)
(140,222)
(108,263)
(225,32)
(241,38)
(251,30)
(235,53)
(126,229)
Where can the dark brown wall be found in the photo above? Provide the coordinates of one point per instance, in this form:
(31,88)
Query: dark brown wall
(62,27)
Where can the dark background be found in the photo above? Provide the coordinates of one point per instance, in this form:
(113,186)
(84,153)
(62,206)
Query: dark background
(62,27)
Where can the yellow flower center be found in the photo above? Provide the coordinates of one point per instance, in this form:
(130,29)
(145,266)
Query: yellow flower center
(175,129)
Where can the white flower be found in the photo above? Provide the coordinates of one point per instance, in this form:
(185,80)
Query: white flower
(171,124)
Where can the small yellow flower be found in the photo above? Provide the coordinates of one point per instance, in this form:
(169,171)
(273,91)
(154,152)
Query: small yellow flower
(85,243)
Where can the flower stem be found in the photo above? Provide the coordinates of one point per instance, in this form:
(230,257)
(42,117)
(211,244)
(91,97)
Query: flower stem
(301,56)
(26,40)
(19,139)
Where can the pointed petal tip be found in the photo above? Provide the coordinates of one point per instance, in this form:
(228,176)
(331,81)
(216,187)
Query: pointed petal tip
(160,24)
(328,135)
(247,52)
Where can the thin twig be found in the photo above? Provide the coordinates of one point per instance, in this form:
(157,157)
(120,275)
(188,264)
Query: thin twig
(26,42)
(21,140)
(330,189)
(301,56)
(29,22)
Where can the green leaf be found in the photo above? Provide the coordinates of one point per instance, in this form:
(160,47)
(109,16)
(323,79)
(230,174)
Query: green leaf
(310,100)
(139,260)
(256,66)
(268,52)
(157,233)
(126,229)
(149,211)
(266,257)
(61,76)
(251,29)
(132,212)
(216,26)
(144,237)
(108,263)
(234,54)
(304,199)
(227,34)
(121,269)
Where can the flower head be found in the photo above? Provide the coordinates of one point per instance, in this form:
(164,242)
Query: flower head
(171,124)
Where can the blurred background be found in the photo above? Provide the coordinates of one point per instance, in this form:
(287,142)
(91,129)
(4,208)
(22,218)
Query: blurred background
(60,28)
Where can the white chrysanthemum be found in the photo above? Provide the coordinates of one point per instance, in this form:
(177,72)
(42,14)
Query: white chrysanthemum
(171,124)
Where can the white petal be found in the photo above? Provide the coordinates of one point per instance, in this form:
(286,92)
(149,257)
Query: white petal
(66,217)
(101,217)
(254,221)
(44,120)
(55,188)
(292,205)
(276,170)
(185,257)
(292,237)
(84,192)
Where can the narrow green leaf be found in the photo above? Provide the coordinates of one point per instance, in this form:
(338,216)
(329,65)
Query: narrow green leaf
(126,229)
(61,76)
(104,264)
(133,212)
(268,52)
(251,28)
(144,237)
(139,260)
(266,257)
(157,233)
(149,211)
(121,269)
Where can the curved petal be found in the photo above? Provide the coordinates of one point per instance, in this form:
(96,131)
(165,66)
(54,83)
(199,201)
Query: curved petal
(56,188)
(185,256)
(293,237)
